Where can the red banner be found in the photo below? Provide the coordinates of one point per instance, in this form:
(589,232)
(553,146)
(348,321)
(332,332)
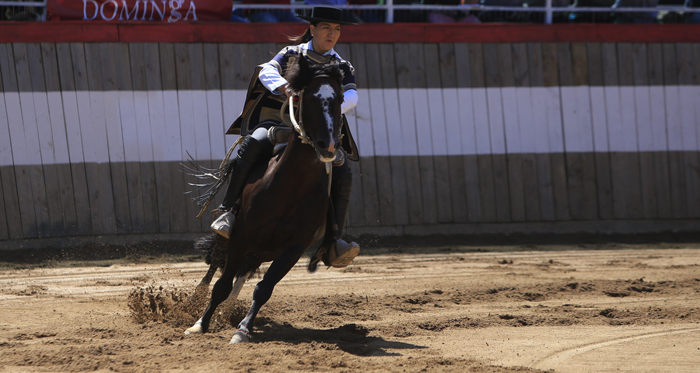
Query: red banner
(140,10)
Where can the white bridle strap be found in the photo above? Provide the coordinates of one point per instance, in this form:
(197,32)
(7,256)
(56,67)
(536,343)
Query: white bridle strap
(302,134)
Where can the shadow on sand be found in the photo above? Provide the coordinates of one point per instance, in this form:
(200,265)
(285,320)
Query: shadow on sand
(351,338)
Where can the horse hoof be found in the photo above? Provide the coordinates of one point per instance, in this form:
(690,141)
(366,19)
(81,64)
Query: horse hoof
(240,336)
(195,329)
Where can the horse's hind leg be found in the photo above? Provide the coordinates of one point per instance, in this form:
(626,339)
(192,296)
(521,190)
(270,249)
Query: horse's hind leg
(222,289)
(214,246)
(263,290)
(206,280)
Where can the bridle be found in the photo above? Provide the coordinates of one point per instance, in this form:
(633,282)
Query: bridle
(298,125)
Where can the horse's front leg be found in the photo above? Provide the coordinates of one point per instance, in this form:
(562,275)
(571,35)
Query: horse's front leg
(263,290)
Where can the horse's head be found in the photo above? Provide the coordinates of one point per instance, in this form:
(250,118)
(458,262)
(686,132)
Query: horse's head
(320,89)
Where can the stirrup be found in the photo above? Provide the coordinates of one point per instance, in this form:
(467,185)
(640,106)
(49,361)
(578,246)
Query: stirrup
(342,253)
(223,225)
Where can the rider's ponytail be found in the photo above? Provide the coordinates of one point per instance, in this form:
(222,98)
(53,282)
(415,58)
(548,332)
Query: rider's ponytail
(303,38)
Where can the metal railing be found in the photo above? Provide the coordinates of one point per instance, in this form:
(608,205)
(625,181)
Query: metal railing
(387,12)
(547,9)
(23,11)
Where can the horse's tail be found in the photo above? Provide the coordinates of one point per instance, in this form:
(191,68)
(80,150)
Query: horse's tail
(213,247)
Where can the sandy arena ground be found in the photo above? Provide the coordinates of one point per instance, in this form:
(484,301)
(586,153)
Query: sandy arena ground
(559,308)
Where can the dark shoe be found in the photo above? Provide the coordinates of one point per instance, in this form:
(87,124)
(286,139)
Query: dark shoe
(342,253)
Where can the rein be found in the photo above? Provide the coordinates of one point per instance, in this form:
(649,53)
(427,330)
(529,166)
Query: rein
(297,127)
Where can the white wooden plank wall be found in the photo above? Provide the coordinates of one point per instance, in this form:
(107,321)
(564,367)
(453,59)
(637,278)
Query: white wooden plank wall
(143,124)
(393,126)
(481,121)
(108,115)
(422,114)
(380,135)
(511,118)
(539,121)
(580,136)
(625,139)
(162,126)
(363,136)
(438,126)
(29,104)
(156,118)
(555,131)
(200,126)
(496,125)
(57,138)
(528,127)
(644,119)
(406,123)
(696,100)
(673,118)
(74,136)
(689,123)
(215,115)
(599,119)
(467,121)
(41,106)
(20,149)
(453,122)
(173,150)
(188,139)
(5,143)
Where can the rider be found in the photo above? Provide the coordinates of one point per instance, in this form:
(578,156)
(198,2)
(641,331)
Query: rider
(261,121)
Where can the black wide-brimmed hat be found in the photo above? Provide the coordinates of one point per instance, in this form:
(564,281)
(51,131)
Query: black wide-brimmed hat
(326,14)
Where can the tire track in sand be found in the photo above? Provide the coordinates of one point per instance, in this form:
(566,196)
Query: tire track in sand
(555,359)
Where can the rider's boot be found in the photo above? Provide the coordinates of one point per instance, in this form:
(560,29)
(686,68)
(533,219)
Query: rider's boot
(341,253)
(250,154)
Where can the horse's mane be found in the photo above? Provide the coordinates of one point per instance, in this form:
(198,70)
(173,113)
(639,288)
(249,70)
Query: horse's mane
(299,74)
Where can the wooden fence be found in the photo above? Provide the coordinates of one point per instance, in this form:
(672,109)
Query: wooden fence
(454,137)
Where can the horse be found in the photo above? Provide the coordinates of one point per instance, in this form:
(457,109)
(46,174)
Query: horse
(284,205)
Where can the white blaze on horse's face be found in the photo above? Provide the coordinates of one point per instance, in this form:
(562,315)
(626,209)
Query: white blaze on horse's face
(326,95)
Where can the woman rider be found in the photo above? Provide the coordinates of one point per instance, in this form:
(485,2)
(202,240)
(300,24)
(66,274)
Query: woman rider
(261,121)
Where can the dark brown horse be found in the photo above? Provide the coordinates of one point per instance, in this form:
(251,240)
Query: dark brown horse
(284,206)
